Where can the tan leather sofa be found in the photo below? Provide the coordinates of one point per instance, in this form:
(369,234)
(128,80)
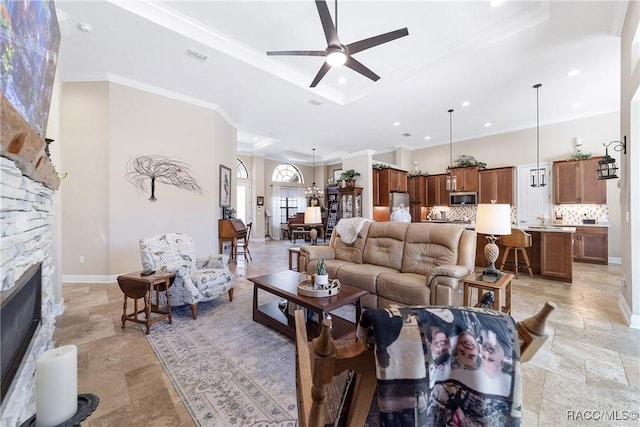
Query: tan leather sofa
(400,263)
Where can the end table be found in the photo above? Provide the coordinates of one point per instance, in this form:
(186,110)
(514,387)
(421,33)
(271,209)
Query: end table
(473,280)
(135,286)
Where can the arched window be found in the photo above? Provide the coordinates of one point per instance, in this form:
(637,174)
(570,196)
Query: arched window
(287,173)
(241,170)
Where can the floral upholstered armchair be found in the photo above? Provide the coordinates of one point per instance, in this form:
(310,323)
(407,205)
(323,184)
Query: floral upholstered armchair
(197,279)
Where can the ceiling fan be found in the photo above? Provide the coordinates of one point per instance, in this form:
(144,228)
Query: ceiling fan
(337,53)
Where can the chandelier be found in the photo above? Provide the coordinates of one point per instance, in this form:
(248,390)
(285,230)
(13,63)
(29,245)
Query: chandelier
(312,191)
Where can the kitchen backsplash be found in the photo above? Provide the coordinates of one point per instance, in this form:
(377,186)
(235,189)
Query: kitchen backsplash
(563,214)
(574,214)
(462,213)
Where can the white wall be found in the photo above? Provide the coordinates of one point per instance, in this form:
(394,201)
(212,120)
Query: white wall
(104,125)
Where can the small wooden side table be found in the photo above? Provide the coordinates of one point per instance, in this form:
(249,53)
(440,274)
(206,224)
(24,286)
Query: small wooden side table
(294,254)
(135,286)
(474,280)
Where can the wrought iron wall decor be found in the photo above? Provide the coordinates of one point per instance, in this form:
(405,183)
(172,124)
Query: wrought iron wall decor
(160,169)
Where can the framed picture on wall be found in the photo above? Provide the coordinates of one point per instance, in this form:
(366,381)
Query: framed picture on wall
(225,187)
(260,201)
(336,175)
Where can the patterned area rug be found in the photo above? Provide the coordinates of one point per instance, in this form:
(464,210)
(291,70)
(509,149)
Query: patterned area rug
(228,369)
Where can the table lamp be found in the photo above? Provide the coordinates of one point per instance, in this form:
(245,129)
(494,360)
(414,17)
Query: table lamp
(493,219)
(313,215)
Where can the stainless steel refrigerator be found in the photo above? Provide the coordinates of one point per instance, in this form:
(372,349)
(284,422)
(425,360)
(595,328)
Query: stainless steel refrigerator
(398,200)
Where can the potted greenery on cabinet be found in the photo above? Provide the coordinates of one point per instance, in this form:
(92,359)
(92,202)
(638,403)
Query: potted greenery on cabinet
(348,177)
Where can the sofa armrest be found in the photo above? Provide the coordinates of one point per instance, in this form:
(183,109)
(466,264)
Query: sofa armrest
(454,271)
(317,252)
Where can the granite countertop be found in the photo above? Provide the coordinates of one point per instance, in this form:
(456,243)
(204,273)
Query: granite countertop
(550,228)
(582,225)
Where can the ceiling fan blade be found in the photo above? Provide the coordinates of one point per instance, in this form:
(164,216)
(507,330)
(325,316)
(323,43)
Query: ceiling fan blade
(323,70)
(330,32)
(361,45)
(299,52)
(355,65)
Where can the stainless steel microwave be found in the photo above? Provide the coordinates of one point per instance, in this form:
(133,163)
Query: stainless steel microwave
(466,198)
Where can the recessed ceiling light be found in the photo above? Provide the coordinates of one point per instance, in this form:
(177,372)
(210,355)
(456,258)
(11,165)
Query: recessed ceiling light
(466,103)
(396,123)
(496,3)
(577,105)
(84,27)
(487,124)
(342,80)
(255,138)
(573,73)
(427,137)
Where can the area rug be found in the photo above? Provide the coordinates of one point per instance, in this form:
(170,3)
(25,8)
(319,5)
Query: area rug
(228,369)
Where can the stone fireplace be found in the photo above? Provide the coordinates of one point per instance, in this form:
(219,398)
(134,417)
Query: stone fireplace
(26,221)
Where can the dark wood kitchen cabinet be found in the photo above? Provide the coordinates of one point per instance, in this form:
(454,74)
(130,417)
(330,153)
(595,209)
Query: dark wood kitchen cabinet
(496,184)
(437,194)
(375,175)
(576,182)
(556,263)
(417,196)
(591,245)
(466,178)
(389,180)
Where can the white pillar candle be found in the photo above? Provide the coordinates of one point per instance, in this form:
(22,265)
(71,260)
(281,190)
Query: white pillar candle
(56,386)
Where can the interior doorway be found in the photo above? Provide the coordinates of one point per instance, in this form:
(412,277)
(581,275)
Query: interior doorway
(243,201)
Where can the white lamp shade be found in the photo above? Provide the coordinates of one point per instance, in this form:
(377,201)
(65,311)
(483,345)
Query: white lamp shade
(312,215)
(493,219)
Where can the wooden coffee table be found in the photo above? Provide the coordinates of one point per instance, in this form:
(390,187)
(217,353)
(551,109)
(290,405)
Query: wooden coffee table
(285,285)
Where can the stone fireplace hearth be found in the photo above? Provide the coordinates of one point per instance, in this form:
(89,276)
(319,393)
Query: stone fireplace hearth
(26,221)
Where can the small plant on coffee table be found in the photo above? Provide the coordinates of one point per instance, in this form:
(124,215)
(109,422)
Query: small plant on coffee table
(321,268)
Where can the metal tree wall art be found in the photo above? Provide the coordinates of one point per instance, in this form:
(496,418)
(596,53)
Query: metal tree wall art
(160,169)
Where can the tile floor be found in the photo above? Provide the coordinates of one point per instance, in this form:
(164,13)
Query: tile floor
(589,367)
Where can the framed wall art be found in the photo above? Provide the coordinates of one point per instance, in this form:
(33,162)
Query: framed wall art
(336,175)
(260,201)
(225,186)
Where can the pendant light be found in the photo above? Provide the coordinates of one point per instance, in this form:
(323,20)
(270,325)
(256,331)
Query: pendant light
(450,180)
(313,192)
(538,176)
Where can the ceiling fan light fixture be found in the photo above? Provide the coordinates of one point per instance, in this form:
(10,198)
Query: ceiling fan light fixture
(336,59)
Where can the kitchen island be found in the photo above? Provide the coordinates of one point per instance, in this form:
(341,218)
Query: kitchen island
(550,254)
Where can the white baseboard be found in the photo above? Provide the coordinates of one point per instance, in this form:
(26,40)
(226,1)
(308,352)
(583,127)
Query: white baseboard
(615,260)
(632,319)
(89,278)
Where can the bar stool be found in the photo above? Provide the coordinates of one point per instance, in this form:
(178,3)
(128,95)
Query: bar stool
(518,240)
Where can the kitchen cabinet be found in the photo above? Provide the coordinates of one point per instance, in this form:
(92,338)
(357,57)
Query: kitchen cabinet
(437,194)
(591,245)
(550,254)
(496,184)
(350,200)
(466,178)
(417,196)
(556,263)
(375,175)
(390,180)
(576,182)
